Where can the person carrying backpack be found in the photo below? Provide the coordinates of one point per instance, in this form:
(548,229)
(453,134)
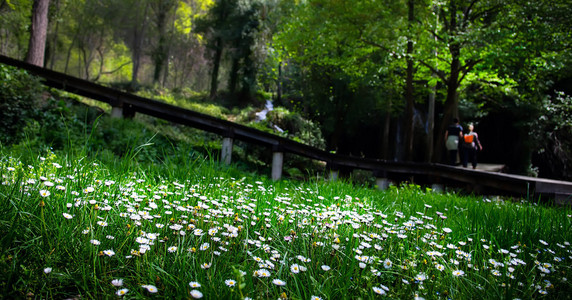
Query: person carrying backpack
(453,136)
(469,147)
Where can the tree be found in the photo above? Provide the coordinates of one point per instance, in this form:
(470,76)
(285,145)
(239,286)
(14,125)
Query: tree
(15,38)
(359,43)
(242,37)
(52,39)
(99,39)
(522,77)
(231,27)
(130,22)
(86,36)
(163,11)
(38,34)
(215,25)
(409,100)
(136,29)
(187,62)
(459,32)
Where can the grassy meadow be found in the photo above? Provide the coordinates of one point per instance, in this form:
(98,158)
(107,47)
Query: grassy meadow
(73,227)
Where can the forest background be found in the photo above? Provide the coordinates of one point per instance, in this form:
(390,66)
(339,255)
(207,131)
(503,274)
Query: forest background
(375,78)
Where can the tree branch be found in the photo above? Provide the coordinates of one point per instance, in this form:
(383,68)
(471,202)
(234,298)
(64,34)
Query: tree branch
(467,68)
(436,71)
(484,12)
(443,60)
(382,47)
(491,82)
(116,69)
(100,63)
(434,33)
(445,22)
(467,13)
(101,72)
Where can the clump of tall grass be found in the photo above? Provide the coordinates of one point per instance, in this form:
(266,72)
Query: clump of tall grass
(72,226)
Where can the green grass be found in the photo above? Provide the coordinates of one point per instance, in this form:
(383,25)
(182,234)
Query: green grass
(189,220)
(88,202)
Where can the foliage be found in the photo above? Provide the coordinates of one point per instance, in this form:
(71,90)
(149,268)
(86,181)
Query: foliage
(522,64)
(185,100)
(20,98)
(32,118)
(14,36)
(75,128)
(69,125)
(343,64)
(552,131)
(231,28)
(349,68)
(298,128)
(513,56)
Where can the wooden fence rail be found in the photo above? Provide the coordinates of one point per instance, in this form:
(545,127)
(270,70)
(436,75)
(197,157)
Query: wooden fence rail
(125,104)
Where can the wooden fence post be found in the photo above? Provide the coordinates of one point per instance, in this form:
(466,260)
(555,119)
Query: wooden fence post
(334,171)
(382,183)
(226,151)
(437,187)
(381,179)
(334,175)
(117,112)
(116,108)
(277,164)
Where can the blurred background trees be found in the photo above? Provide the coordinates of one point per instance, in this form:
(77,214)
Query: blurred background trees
(381,78)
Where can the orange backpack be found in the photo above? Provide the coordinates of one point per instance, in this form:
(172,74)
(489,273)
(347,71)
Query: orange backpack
(468,138)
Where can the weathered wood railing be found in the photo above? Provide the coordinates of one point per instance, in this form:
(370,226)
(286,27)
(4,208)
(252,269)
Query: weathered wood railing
(125,104)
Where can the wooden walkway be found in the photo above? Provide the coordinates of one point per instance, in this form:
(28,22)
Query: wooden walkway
(487,179)
(490,167)
(484,180)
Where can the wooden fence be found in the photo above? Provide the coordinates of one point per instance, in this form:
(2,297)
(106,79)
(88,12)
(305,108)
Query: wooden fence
(438,175)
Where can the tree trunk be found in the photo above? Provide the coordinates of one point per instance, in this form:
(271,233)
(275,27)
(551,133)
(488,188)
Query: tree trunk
(430,157)
(279,84)
(83,58)
(248,81)
(216,65)
(160,53)
(70,48)
(430,125)
(159,59)
(54,41)
(136,58)
(39,31)
(137,45)
(233,76)
(450,109)
(410,106)
(385,144)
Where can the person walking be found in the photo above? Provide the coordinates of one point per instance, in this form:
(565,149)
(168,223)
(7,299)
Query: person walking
(470,146)
(452,136)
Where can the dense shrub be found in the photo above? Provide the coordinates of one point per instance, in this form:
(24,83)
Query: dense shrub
(552,132)
(297,127)
(33,117)
(20,95)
